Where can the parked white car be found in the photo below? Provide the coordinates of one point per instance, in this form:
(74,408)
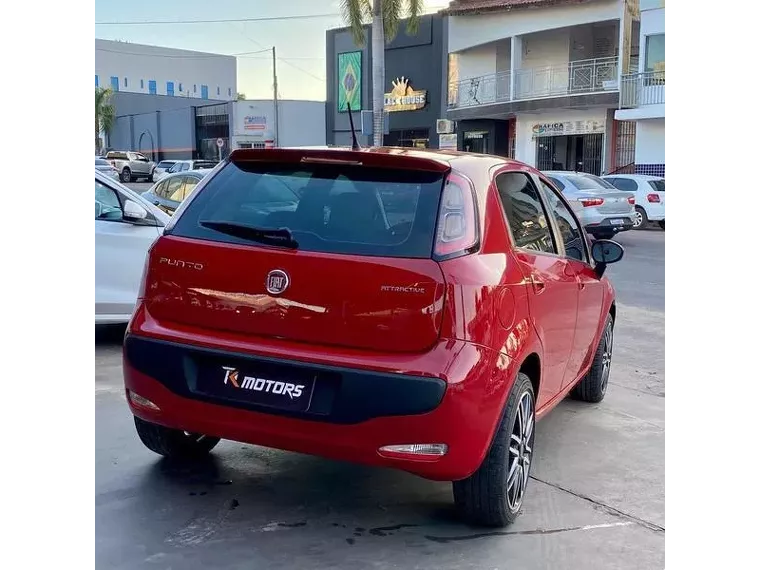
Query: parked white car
(650,197)
(162,168)
(126,226)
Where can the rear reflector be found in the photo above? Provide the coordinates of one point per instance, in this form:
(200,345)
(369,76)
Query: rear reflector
(653,198)
(587,202)
(138,400)
(415,451)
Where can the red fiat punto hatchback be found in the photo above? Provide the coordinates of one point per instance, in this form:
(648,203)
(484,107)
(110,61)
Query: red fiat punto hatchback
(394,307)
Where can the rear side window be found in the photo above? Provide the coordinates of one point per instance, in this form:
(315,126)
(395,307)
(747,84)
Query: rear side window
(658,185)
(625,184)
(327,208)
(525,212)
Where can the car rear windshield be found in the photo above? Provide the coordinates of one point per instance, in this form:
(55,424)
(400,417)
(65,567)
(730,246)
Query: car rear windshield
(658,185)
(165,164)
(588,182)
(101,162)
(204,164)
(350,209)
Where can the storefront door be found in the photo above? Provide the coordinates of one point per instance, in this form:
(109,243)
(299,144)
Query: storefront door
(579,153)
(475,141)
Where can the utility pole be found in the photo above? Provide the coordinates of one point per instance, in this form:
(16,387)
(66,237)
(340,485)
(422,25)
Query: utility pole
(276,104)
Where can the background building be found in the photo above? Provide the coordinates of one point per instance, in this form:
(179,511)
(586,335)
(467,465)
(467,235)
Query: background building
(154,70)
(643,93)
(415,83)
(540,81)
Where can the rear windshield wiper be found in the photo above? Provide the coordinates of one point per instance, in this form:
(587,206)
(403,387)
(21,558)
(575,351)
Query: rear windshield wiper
(281,237)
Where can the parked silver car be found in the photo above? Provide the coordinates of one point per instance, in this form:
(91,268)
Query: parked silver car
(601,208)
(131,165)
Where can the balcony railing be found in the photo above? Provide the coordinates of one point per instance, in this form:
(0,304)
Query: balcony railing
(575,77)
(640,89)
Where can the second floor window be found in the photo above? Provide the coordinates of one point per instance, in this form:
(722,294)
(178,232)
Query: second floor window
(170,88)
(204,91)
(655,53)
(96,81)
(142,84)
(152,86)
(115,83)
(125,82)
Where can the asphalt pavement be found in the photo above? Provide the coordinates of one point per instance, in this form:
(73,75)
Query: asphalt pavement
(596,499)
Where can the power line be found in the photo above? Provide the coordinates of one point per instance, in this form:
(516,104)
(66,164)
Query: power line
(293,65)
(223,21)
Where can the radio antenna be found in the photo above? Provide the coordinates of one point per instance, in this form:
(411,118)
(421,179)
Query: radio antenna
(354,142)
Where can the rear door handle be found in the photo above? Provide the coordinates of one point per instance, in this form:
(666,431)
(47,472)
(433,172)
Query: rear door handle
(538,285)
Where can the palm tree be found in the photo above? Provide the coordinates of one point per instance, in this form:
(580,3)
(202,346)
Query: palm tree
(385,16)
(105,114)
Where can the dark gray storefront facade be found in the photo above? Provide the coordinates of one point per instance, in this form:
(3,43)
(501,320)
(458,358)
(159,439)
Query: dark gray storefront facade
(165,127)
(421,60)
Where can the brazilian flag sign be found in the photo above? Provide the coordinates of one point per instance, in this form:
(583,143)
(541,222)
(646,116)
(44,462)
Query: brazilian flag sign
(350,81)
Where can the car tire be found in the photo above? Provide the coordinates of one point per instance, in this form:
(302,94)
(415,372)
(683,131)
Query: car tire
(173,443)
(640,219)
(126,175)
(150,178)
(486,497)
(593,386)
(662,224)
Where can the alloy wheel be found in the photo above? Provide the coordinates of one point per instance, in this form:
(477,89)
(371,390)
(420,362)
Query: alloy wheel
(520,451)
(606,357)
(638,219)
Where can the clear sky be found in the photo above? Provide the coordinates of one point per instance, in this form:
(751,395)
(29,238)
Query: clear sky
(300,43)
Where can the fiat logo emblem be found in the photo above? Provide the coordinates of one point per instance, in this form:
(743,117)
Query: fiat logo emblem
(277,281)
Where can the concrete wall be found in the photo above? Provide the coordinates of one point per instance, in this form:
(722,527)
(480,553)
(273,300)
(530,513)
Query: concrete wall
(422,59)
(158,125)
(302,123)
(140,63)
(650,141)
(469,31)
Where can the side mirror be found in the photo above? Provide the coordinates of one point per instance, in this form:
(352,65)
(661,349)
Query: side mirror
(134,211)
(604,252)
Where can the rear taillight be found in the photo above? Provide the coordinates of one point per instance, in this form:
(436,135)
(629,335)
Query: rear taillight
(457,233)
(144,279)
(654,198)
(588,202)
(631,200)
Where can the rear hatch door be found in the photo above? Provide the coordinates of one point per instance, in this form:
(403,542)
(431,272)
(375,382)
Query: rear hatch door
(304,248)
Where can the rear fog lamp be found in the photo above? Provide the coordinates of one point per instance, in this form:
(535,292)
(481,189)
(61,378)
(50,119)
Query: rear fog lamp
(418,451)
(138,400)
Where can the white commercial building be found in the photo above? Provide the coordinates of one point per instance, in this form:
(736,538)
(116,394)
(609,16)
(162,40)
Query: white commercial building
(298,123)
(642,96)
(155,70)
(540,80)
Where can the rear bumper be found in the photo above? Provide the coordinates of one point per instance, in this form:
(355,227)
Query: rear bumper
(353,413)
(610,224)
(655,212)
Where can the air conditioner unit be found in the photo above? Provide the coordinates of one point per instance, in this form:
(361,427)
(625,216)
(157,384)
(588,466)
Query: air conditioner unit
(444,127)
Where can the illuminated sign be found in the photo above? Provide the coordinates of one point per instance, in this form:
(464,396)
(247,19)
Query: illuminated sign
(403,97)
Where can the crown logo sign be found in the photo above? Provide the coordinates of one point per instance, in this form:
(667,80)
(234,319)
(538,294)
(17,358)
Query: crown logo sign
(400,87)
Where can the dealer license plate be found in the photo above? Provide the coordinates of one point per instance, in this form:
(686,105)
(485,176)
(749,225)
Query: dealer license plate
(268,386)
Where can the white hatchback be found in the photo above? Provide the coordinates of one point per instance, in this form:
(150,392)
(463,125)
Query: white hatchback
(650,197)
(126,226)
